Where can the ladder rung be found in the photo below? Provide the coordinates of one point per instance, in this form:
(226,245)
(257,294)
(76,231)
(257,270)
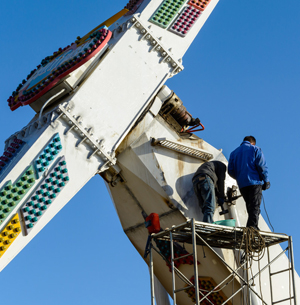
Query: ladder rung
(280,271)
(282,300)
(180,257)
(185,288)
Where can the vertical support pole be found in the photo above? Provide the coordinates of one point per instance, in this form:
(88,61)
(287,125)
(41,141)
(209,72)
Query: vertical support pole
(293,268)
(248,297)
(195,262)
(270,277)
(152,275)
(172,267)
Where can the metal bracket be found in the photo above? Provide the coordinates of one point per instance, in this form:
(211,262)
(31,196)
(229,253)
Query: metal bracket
(183,149)
(86,136)
(165,56)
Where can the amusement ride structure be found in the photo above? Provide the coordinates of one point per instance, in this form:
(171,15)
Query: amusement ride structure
(147,155)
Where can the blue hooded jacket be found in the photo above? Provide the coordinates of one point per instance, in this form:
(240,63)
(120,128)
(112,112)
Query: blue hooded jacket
(248,166)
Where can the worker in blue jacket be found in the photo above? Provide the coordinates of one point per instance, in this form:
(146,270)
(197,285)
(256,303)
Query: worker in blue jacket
(248,166)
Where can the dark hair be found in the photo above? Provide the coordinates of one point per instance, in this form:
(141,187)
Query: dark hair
(251,139)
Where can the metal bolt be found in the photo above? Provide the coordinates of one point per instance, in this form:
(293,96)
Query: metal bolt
(143,31)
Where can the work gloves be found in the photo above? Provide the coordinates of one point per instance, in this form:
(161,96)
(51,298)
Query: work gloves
(266,186)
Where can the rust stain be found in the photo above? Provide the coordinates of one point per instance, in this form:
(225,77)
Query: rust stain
(154,159)
(168,202)
(180,165)
(162,174)
(195,143)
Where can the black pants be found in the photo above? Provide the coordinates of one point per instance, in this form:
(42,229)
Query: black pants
(252,196)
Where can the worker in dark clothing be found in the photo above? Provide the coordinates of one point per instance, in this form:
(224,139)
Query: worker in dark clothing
(248,166)
(208,184)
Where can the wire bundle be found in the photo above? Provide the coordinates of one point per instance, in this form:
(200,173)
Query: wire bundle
(254,246)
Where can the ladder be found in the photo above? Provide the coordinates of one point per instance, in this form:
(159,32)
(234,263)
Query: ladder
(290,270)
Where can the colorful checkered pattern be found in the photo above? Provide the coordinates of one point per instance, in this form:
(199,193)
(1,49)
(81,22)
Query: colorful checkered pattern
(132,6)
(10,153)
(185,21)
(9,234)
(165,249)
(44,196)
(205,286)
(48,155)
(199,4)
(12,194)
(164,15)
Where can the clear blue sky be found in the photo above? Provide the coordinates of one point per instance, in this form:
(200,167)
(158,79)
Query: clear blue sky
(241,77)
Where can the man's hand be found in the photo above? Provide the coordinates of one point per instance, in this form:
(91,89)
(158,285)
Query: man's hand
(266,186)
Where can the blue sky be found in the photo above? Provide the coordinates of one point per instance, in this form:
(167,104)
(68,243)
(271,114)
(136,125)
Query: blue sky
(241,77)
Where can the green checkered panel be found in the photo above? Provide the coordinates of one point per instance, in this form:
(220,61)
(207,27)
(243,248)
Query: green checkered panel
(164,15)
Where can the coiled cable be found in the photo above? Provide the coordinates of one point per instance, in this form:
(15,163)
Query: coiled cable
(254,246)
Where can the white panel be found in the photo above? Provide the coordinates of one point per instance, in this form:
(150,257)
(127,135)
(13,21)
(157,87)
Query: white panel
(80,171)
(126,79)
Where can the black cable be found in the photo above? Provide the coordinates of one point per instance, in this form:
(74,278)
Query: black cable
(267,214)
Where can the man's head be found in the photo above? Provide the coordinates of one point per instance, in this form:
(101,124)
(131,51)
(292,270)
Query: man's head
(250,139)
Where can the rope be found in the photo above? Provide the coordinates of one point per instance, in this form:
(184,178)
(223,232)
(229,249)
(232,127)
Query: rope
(254,246)
(267,213)
(254,251)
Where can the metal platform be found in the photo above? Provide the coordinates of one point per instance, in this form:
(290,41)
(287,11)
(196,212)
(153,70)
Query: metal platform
(217,236)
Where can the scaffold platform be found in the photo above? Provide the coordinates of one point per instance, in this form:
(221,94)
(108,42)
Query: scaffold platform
(215,236)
